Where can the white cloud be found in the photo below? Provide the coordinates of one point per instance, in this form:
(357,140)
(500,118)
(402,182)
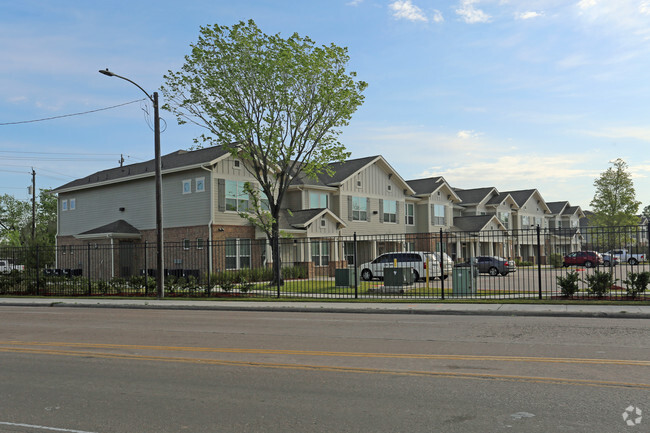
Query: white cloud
(586,4)
(404,9)
(466,135)
(529,15)
(470,14)
(437,16)
(355,3)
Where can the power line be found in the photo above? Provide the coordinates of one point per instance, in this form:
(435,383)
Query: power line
(70,115)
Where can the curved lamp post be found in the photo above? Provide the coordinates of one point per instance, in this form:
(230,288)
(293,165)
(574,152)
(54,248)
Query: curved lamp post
(160,269)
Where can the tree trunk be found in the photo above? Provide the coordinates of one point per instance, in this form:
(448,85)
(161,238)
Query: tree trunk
(275,254)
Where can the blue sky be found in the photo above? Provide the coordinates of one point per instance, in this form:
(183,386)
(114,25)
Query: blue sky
(514,94)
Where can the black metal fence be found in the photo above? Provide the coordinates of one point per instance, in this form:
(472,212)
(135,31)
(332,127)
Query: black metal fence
(443,265)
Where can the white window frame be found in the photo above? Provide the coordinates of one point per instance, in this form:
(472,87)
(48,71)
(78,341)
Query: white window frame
(186,244)
(320,253)
(199,184)
(73,204)
(321,198)
(64,205)
(242,253)
(439,220)
(240,204)
(390,211)
(199,243)
(409,219)
(187,186)
(359,209)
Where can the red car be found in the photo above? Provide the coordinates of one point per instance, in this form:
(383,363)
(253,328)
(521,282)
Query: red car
(588,259)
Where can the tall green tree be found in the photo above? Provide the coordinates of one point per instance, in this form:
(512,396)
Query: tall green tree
(277,103)
(16,220)
(614,203)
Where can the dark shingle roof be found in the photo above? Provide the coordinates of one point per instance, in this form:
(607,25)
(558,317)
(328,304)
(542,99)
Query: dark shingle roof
(557,206)
(342,170)
(119,227)
(472,223)
(180,158)
(425,186)
(521,196)
(473,196)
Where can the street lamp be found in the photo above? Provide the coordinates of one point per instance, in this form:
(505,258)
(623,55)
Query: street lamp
(160,269)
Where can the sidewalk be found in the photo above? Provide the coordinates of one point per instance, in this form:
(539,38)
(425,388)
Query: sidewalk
(550,310)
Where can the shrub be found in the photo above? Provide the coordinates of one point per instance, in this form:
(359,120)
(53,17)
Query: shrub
(523,263)
(636,283)
(568,284)
(556,260)
(599,283)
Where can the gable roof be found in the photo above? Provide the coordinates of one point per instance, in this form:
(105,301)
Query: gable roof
(523,195)
(342,171)
(475,223)
(180,159)
(119,229)
(301,219)
(557,207)
(429,185)
(473,196)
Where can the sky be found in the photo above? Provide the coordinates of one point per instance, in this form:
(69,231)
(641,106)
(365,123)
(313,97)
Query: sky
(514,94)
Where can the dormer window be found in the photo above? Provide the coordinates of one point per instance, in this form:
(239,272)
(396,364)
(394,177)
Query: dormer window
(236,163)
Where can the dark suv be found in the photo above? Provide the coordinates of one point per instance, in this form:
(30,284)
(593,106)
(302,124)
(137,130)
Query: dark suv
(588,259)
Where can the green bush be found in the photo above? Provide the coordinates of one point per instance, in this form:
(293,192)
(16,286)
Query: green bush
(568,284)
(636,283)
(293,272)
(556,260)
(600,283)
(523,263)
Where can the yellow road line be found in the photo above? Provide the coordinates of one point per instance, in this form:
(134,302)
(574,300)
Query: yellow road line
(336,354)
(325,368)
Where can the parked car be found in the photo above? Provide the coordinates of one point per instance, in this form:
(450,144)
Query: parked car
(495,265)
(588,259)
(7,266)
(625,256)
(416,260)
(609,260)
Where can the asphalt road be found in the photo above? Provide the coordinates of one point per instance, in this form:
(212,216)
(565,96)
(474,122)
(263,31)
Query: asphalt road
(121,370)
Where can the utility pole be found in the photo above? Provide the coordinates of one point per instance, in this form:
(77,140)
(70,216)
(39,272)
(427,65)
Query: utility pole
(33,204)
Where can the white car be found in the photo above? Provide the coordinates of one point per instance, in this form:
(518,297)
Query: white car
(416,260)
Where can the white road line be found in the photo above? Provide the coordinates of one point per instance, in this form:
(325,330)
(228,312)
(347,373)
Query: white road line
(40,427)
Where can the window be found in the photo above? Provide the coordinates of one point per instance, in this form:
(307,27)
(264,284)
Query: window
(390,211)
(236,163)
(539,221)
(236,197)
(187,186)
(199,244)
(525,221)
(389,188)
(317,200)
(323,221)
(73,203)
(71,249)
(320,253)
(186,244)
(410,214)
(238,253)
(200,184)
(359,209)
(438,215)
(504,217)
(64,205)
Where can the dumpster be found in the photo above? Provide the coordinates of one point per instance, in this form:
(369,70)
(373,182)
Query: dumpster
(397,278)
(464,280)
(344,277)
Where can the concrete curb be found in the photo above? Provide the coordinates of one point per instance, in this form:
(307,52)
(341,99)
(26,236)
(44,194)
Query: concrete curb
(544,310)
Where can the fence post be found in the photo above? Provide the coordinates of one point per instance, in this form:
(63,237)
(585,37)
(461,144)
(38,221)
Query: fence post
(88,267)
(38,268)
(354,263)
(207,268)
(539,261)
(442,266)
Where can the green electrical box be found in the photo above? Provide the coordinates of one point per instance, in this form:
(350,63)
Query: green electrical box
(344,277)
(397,277)
(463,281)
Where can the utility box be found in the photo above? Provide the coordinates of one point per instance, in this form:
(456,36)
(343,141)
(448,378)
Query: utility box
(397,278)
(344,277)
(464,280)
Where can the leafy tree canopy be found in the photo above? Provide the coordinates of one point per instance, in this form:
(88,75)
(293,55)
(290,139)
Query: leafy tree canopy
(16,220)
(614,203)
(277,103)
